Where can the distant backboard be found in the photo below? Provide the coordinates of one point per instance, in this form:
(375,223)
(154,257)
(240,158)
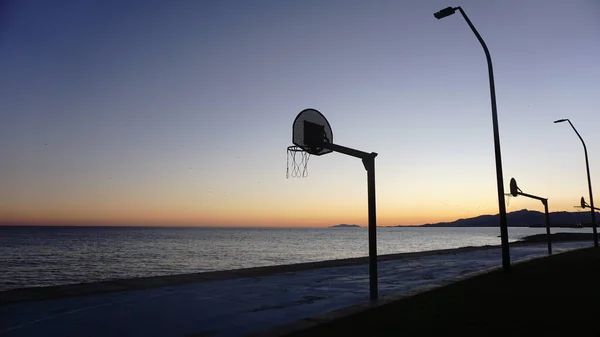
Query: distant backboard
(310,131)
(582,202)
(514,189)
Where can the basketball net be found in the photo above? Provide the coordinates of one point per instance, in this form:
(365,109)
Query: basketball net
(299,162)
(507,197)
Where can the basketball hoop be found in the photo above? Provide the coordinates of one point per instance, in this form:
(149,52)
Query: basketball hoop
(312,135)
(299,162)
(514,191)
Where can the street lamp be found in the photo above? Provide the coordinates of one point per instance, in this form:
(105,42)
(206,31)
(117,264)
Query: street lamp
(499,180)
(587,167)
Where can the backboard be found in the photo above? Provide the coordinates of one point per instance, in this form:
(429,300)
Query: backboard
(514,189)
(582,203)
(310,131)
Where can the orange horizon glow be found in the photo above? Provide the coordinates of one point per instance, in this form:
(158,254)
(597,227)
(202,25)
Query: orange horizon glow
(324,220)
(324,209)
(217,222)
(313,223)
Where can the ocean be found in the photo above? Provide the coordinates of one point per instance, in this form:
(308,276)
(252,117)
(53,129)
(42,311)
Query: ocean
(45,256)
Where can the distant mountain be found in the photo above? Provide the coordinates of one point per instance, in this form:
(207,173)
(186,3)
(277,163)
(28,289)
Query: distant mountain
(523,218)
(345,226)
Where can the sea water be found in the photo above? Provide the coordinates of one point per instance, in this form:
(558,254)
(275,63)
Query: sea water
(43,256)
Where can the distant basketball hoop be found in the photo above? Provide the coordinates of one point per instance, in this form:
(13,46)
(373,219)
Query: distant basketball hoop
(583,205)
(516,191)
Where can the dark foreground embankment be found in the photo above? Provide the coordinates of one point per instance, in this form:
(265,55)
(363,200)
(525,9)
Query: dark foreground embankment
(554,296)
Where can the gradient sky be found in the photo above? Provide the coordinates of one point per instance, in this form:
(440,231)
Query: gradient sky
(180,112)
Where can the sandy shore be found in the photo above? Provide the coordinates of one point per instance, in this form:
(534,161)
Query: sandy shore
(122,285)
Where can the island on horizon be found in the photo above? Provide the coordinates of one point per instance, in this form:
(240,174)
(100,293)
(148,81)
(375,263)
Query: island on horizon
(345,226)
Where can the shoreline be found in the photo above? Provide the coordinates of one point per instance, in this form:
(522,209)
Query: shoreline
(132,284)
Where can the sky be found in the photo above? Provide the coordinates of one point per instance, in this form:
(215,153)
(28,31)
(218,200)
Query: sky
(179,113)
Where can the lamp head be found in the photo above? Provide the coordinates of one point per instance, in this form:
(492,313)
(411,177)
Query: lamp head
(444,12)
(560,120)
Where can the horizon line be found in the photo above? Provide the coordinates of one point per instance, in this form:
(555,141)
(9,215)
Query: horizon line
(126,224)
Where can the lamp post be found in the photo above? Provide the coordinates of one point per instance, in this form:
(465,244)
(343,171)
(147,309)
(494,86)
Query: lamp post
(499,179)
(587,167)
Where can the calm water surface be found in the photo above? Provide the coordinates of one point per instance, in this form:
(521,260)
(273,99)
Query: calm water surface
(41,256)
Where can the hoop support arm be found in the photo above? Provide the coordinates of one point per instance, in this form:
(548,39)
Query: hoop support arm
(543,200)
(350,152)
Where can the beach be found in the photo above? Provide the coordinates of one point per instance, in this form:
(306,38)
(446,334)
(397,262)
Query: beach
(240,302)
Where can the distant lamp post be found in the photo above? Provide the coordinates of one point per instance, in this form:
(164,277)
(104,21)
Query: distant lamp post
(499,179)
(587,167)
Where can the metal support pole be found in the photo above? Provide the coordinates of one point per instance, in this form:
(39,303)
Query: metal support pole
(369,163)
(368,160)
(499,179)
(547,218)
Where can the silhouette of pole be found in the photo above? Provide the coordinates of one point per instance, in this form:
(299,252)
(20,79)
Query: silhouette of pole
(369,164)
(546,215)
(368,160)
(499,179)
(547,220)
(587,167)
